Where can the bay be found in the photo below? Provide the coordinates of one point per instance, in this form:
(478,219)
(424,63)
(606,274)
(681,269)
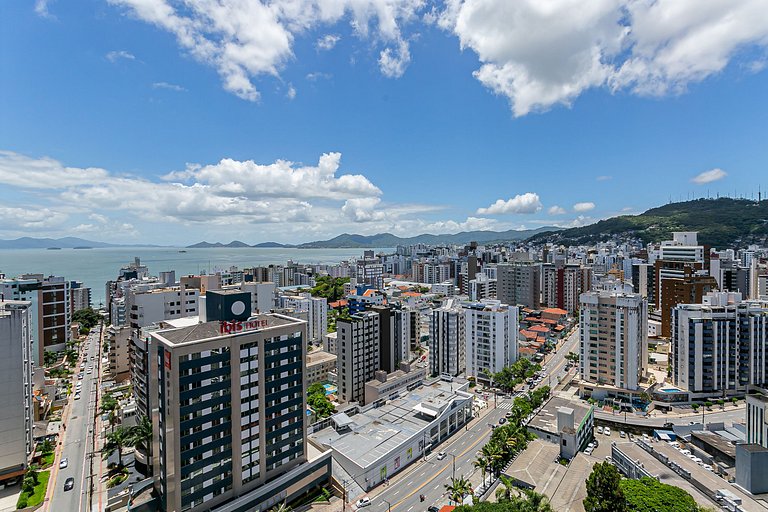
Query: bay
(94,267)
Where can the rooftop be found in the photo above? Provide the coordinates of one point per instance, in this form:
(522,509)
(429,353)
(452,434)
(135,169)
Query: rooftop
(319,356)
(377,431)
(546,419)
(210,330)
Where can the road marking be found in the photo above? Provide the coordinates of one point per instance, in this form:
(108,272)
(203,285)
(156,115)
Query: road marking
(410,483)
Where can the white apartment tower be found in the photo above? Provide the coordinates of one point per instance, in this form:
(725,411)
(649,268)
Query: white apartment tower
(16,413)
(720,345)
(491,337)
(613,338)
(447,340)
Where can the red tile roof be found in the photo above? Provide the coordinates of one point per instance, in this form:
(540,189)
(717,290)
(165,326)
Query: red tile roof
(539,328)
(555,311)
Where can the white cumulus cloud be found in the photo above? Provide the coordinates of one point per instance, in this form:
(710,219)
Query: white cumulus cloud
(541,54)
(521,203)
(709,176)
(556,210)
(583,207)
(244,40)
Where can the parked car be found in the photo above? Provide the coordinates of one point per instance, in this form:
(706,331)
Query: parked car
(502,421)
(63,463)
(77,396)
(363,502)
(599,430)
(607,431)
(69,484)
(441,455)
(622,434)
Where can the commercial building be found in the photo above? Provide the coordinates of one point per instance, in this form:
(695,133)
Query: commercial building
(567,423)
(519,284)
(720,346)
(613,333)
(229,433)
(16,412)
(357,348)
(378,442)
(448,340)
(491,337)
(389,385)
(752,456)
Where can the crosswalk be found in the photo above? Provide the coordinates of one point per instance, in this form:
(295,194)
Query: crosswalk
(507,406)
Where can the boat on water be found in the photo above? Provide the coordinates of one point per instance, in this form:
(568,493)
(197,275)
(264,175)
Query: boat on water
(83,247)
(54,248)
(182,250)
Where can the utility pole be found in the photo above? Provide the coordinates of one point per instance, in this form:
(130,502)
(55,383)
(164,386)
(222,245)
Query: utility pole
(389,505)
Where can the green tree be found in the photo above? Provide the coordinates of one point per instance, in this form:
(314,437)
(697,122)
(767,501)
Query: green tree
(140,435)
(116,441)
(46,447)
(109,406)
(603,491)
(87,317)
(50,358)
(458,488)
(481,463)
(332,288)
(649,495)
(318,400)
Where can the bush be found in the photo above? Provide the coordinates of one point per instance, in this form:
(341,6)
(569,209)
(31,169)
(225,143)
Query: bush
(22,503)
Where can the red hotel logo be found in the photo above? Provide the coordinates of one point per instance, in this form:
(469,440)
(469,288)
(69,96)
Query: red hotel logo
(241,326)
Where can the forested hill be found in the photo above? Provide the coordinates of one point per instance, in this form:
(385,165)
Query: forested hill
(721,223)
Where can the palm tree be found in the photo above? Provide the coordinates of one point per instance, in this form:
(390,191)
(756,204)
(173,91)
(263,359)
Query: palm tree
(281,507)
(504,490)
(116,441)
(481,463)
(458,488)
(109,405)
(493,453)
(536,502)
(140,435)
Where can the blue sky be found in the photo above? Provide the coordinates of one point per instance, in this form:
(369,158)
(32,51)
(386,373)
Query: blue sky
(169,122)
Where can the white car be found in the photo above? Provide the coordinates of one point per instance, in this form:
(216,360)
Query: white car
(622,434)
(441,456)
(64,463)
(77,396)
(363,502)
(599,430)
(607,431)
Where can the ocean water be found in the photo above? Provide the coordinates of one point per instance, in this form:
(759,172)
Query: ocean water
(94,267)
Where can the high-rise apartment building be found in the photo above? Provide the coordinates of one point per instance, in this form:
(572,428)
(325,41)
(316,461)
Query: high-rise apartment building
(16,413)
(80,296)
(491,337)
(562,285)
(447,339)
(230,421)
(316,309)
(370,271)
(613,340)
(357,349)
(690,288)
(50,309)
(519,284)
(149,304)
(752,455)
(720,346)
(430,272)
(482,287)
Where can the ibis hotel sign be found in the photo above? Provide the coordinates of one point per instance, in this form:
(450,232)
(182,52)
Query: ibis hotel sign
(235,326)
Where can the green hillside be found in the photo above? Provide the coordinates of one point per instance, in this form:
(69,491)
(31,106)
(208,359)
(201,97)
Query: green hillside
(721,223)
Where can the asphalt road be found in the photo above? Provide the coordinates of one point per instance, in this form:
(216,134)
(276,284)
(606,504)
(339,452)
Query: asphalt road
(430,477)
(78,439)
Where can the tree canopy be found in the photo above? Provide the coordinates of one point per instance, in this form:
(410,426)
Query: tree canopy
(604,493)
(87,317)
(332,288)
(649,495)
(318,401)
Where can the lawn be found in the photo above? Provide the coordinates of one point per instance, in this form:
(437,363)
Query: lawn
(47,459)
(38,496)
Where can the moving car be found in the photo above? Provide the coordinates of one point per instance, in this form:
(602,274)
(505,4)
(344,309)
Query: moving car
(77,396)
(440,455)
(363,502)
(433,509)
(64,463)
(502,421)
(69,484)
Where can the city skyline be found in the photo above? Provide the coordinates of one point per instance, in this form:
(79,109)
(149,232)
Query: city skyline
(142,121)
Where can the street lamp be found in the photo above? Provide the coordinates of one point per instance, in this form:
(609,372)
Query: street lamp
(454,465)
